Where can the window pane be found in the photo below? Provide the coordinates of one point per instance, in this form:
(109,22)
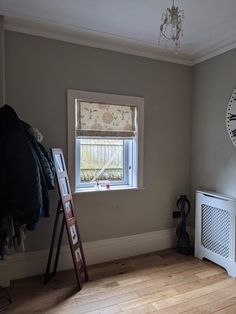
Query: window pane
(101,159)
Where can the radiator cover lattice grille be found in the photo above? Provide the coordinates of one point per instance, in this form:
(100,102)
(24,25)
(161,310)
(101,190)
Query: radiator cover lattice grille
(215,231)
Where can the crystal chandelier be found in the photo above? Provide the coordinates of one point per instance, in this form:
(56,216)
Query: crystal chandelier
(171,28)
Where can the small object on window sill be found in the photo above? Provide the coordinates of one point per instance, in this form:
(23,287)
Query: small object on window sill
(107,184)
(98,185)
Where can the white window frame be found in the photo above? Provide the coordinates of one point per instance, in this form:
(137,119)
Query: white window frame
(138,141)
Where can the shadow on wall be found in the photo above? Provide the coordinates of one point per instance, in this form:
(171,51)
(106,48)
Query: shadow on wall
(225,181)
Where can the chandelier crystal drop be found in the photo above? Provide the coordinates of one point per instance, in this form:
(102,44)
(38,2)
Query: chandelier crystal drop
(171,28)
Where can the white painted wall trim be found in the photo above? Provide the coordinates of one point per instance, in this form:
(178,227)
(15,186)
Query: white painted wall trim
(112,249)
(21,265)
(94,39)
(215,53)
(67,33)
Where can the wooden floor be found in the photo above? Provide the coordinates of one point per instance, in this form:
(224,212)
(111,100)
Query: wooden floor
(164,282)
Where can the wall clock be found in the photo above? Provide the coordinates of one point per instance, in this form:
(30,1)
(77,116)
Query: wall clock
(231,118)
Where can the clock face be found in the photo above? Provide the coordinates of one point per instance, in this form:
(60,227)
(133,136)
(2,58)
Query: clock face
(231,118)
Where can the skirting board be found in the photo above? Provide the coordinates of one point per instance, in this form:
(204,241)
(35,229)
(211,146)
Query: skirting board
(21,265)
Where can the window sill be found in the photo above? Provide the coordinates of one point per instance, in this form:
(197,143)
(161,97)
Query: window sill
(113,188)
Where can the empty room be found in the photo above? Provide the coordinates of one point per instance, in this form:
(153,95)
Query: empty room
(117,156)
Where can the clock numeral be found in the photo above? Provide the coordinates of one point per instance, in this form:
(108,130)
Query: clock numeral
(234,133)
(232,117)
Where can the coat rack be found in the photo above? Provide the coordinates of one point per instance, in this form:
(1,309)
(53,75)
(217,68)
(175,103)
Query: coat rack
(65,208)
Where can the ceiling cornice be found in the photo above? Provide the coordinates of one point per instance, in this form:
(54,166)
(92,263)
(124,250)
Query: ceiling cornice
(92,38)
(214,53)
(97,44)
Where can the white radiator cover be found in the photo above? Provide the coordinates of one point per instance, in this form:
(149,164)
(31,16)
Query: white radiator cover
(215,229)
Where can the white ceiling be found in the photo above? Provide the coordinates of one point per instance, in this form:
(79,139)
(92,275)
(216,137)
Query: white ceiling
(130,26)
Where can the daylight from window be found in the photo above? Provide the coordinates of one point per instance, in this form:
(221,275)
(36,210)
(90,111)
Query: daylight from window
(101,159)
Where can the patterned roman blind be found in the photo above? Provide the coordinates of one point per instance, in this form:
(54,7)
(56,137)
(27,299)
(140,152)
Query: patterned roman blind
(100,119)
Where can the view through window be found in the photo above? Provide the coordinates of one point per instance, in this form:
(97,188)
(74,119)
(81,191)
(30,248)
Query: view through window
(101,159)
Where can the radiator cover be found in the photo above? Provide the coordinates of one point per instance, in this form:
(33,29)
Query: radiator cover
(215,229)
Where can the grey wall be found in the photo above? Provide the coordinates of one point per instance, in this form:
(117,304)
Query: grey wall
(38,73)
(213,155)
(2,61)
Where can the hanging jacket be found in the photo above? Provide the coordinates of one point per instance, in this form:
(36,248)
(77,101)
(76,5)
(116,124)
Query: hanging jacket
(26,173)
(44,163)
(20,185)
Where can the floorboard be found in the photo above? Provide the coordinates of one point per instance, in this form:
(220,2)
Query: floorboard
(160,282)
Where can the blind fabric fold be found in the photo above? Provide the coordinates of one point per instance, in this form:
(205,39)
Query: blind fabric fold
(98,119)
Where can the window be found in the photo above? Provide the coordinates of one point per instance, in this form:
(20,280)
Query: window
(104,159)
(105,140)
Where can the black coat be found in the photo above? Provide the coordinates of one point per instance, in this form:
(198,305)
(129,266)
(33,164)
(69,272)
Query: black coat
(45,166)
(23,165)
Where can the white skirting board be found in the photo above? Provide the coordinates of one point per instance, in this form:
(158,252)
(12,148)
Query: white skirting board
(21,265)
